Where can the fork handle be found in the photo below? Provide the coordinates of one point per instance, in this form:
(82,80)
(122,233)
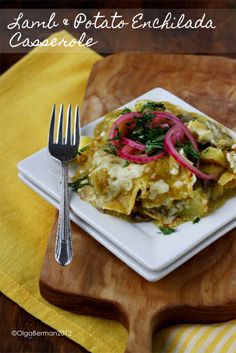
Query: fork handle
(63,249)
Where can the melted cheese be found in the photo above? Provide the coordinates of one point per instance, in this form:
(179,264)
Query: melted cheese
(157,188)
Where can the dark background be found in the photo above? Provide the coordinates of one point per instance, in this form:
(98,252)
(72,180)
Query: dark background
(8,60)
(12,317)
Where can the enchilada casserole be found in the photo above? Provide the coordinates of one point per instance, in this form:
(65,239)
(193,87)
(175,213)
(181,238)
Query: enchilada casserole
(157,163)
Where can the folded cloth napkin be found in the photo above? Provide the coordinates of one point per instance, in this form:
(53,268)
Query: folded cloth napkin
(28,91)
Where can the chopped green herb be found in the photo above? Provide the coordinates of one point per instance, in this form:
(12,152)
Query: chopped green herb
(79,183)
(142,132)
(85,148)
(125,110)
(196,220)
(155,133)
(126,163)
(110,148)
(152,106)
(155,144)
(167,230)
(190,152)
(153,138)
(143,122)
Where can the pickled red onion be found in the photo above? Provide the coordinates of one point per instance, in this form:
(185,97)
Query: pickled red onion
(164,115)
(126,153)
(170,148)
(121,125)
(130,149)
(132,143)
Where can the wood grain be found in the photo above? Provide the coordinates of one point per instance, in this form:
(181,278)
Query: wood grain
(97,283)
(203,290)
(207,83)
(14,317)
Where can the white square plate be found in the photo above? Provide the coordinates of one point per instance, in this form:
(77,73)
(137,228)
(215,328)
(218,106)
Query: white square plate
(139,241)
(142,271)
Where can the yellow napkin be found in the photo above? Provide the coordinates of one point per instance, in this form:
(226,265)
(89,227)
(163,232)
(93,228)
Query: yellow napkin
(28,91)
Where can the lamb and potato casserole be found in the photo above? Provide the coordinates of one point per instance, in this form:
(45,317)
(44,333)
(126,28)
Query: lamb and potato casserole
(157,163)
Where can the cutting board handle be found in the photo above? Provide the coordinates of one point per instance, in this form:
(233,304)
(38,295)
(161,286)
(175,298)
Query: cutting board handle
(140,335)
(142,325)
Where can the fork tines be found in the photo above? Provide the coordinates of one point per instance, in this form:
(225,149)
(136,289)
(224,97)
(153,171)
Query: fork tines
(71,139)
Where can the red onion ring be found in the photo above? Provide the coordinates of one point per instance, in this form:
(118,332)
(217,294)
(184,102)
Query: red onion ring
(125,153)
(173,118)
(168,142)
(133,144)
(130,149)
(121,124)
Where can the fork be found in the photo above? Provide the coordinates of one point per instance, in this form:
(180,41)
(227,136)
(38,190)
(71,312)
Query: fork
(64,149)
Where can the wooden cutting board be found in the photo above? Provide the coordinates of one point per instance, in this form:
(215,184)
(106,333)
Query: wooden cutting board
(202,290)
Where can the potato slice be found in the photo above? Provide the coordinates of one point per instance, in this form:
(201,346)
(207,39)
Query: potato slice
(212,169)
(196,206)
(228,180)
(213,155)
(203,133)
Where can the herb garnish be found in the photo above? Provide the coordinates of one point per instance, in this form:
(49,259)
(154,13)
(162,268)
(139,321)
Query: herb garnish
(152,138)
(125,110)
(155,144)
(140,130)
(79,183)
(83,149)
(152,106)
(167,230)
(190,151)
(196,220)
(126,163)
(110,148)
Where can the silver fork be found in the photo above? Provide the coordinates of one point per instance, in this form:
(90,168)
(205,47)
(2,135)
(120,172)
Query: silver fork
(64,149)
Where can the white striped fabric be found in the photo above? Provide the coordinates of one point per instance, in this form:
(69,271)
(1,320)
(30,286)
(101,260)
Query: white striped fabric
(218,338)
